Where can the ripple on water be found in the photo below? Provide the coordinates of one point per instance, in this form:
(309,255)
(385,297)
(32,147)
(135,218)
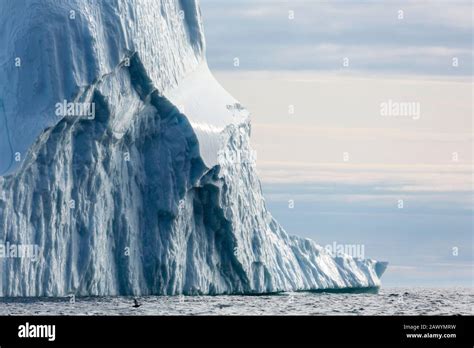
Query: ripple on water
(390,301)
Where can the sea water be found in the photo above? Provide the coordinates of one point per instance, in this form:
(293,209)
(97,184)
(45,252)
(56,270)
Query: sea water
(388,301)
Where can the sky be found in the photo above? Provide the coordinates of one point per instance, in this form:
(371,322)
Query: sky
(362,123)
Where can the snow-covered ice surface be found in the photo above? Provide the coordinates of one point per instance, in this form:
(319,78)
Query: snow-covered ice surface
(64,47)
(158,193)
(389,301)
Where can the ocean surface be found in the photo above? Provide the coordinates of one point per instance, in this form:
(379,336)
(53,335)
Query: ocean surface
(388,301)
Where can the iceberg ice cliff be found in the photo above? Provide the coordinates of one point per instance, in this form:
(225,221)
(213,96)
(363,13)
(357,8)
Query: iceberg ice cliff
(157,193)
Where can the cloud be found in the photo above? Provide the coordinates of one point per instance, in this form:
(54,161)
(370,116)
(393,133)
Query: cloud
(428,160)
(423,188)
(322,33)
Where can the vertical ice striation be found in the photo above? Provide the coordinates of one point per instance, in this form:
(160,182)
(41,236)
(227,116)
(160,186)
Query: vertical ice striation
(157,194)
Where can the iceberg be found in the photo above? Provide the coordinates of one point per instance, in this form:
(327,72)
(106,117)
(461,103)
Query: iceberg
(157,193)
